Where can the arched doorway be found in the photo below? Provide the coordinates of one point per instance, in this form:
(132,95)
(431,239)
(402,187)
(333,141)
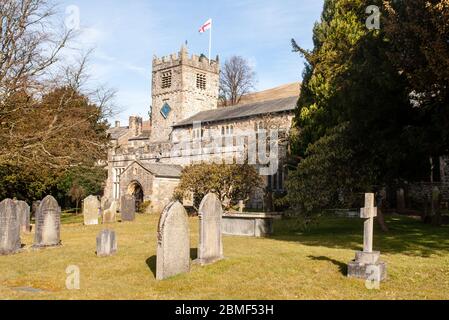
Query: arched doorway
(136,190)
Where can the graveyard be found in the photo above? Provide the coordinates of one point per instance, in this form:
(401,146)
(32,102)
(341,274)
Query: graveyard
(287,265)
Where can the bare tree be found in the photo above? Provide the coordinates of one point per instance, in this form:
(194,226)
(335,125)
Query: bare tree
(47,118)
(237,78)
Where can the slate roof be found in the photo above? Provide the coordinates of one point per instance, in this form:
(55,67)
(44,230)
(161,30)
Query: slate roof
(163,170)
(144,136)
(116,133)
(242,111)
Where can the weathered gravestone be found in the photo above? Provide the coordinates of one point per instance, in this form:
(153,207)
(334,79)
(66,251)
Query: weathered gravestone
(91,210)
(48,224)
(241,206)
(109,215)
(106,243)
(105,203)
(34,206)
(9,228)
(173,242)
(367,264)
(23,212)
(210,215)
(128,208)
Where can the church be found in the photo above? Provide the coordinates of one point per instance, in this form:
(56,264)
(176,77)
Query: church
(187,125)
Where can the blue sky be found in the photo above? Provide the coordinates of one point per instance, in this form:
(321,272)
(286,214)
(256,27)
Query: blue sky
(126,35)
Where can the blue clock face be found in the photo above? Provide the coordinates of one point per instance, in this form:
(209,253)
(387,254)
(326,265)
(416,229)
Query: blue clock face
(165,111)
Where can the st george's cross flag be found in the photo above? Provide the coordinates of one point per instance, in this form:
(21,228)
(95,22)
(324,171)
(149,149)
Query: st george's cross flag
(206,26)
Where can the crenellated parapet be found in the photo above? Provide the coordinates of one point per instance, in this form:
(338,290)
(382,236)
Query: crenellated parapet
(183,57)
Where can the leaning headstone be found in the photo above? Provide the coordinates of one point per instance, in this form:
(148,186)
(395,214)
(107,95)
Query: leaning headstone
(210,215)
(106,243)
(367,264)
(173,243)
(105,203)
(23,212)
(128,208)
(9,228)
(48,223)
(91,210)
(109,215)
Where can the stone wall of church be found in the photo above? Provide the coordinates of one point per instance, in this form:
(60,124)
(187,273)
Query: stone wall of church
(163,190)
(136,173)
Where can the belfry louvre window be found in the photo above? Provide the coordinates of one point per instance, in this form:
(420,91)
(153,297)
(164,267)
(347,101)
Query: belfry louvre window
(201,81)
(166,80)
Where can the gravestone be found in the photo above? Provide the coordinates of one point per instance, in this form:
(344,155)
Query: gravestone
(210,215)
(128,208)
(109,215)
(23,212)
(241,206)
(48,224)
(367,264)
(106,243)
(9,228)
(34,206)
(91,210)
(173,242)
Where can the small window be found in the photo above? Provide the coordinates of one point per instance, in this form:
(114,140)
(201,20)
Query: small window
(201,81)
(166,80)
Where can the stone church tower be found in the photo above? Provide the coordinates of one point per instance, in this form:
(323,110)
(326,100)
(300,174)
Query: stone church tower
(182,87)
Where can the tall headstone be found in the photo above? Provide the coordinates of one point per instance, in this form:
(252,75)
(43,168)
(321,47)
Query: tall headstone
(128,208)
(48,224)
(91,210)
(9,228)
(24,214)
(173,242)
(367,264)
(109,215)
(210,248)
(106,243)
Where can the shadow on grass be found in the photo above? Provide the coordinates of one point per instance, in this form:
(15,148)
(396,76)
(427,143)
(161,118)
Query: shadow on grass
(342,267)
(151,261)
(407,235)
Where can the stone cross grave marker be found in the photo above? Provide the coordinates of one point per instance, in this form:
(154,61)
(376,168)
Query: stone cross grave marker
(106,243)
(24,214)
(48,224)
(210,248)
(91,210)
(128,208)
(368,260)
(173,242)
(109,215)
(241,206)
(9,228)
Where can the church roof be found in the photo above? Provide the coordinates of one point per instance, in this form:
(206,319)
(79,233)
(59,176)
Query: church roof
(163,170)
(242,111)
(117,132)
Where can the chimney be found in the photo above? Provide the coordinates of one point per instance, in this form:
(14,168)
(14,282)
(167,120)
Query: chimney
(117,124)
(135,125)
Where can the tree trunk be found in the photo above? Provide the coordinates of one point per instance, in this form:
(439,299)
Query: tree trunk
(381,220)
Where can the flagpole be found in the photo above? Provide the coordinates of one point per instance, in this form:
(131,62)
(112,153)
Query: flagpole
(210,41)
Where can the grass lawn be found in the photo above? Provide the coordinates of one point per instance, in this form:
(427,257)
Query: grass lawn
(289,265)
